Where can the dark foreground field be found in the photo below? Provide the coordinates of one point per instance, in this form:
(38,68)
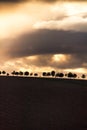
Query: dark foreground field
(42,104)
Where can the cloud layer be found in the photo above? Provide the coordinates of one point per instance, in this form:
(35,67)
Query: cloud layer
(14,1)
(46,41)
(44,44)
(48,36)
(10,1)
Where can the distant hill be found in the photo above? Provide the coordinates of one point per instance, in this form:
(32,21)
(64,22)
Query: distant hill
(42,104)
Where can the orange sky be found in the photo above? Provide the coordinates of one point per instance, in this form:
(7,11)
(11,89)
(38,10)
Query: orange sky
(20,18)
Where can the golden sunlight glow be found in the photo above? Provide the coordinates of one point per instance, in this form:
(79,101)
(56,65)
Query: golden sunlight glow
(71,8)
(32,58)
(77,70)
(21,19)
(74,9)
(59,57)
(69,14)
(29,16)
(13,24)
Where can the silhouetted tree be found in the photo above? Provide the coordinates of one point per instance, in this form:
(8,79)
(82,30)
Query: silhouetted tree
(74,75)
(16,73)
(70,75)
(66,75)
(53,73)
(3,72)
(13,73)
(20,73)
(31,74)
(61,75)
(83,76)
(26,73)
(57,75)
(35,74)
(7,74)
(48,74)
(44,74)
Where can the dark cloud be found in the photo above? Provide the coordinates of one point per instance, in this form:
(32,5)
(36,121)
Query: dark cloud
(7,1)
(46,41)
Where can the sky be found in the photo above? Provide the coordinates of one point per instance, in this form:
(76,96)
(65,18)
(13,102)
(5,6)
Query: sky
(43,35)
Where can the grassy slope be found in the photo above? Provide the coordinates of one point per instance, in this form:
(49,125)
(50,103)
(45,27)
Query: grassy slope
(42,104)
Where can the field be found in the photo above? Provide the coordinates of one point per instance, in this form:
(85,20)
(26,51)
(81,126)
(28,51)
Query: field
(42,104)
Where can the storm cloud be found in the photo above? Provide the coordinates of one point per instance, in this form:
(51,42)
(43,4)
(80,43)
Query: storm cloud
(44,44)
(46,41)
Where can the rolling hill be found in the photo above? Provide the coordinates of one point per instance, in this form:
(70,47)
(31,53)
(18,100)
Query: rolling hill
(42,104)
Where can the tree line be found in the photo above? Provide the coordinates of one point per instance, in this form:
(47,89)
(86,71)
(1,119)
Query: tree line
(61,75)
(53,74)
